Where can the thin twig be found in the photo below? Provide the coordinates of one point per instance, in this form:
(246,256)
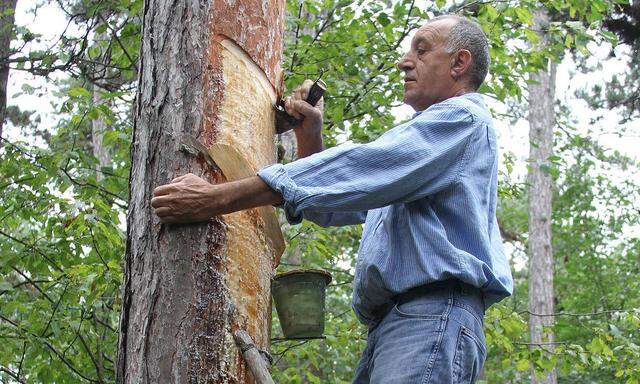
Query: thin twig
(577,314)
(14,376)
(281,354)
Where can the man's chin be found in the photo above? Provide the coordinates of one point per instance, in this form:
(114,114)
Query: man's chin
(410,101)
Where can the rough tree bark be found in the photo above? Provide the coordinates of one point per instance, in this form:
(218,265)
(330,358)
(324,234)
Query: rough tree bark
(209,69)
(541,123)
(7,10)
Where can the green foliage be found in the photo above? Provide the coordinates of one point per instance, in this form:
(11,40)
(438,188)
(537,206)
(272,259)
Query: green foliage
(622,91)
(61,222)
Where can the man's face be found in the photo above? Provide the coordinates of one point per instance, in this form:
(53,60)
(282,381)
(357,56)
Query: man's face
(427,66)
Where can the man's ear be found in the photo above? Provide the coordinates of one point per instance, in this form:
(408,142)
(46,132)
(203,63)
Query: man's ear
(460,64)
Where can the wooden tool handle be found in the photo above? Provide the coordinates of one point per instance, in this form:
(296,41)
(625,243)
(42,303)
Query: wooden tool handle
(316,92)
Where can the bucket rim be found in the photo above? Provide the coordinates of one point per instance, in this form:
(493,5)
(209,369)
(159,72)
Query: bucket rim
(324,273)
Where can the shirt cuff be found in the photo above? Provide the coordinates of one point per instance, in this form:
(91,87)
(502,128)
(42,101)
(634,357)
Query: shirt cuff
(277,179)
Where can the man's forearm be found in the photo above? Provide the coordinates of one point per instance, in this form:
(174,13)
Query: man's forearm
(308,144)
(189,198)
(242,194)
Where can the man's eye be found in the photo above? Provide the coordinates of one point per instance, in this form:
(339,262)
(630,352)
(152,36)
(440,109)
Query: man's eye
(420,51)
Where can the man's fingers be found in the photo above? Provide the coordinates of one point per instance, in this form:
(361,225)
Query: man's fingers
(296,105)
(300,94)
(304,108)
(290,108)
(302,91)
(164,212)
(179,178)
(163,190)
(160,201)
(305,88)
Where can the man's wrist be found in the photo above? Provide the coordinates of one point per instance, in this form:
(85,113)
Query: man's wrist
(308,134)
(309,142)
(242,194)
(218,199)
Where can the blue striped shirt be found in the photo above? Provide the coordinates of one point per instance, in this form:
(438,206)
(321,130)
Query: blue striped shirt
(426,191)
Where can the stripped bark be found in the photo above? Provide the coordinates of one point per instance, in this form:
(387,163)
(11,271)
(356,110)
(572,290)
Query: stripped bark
(7,10)
(541,123)
(209,70)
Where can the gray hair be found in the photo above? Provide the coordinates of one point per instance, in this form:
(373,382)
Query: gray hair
(466,34)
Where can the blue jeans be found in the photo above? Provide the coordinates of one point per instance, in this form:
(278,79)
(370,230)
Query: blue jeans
(433,335)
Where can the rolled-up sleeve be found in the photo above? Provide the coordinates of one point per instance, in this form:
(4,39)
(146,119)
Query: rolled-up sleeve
(333,219)
(410,161)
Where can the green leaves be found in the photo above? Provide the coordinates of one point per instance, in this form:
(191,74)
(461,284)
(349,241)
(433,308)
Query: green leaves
(78,92)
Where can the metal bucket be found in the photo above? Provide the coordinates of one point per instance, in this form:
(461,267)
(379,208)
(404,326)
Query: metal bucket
(299,296)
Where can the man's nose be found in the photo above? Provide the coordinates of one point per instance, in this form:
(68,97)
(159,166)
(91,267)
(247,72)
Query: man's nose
(404,64)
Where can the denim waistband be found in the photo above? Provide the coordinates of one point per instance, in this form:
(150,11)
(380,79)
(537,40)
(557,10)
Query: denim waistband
(462,294)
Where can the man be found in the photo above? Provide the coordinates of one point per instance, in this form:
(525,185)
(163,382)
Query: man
(430,260)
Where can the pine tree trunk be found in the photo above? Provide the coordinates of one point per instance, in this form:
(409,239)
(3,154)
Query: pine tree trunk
(7,10)
(98,128)
(541,123)
(209,70)
(98,125)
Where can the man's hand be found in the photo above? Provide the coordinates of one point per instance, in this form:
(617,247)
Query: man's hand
(186,199)
(189,199)
(297,107)
(309,133)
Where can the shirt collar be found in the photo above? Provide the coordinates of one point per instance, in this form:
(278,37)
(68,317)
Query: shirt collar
(474,95)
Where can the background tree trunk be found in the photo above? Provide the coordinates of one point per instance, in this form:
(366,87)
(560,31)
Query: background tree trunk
(98,125)
(7,17)
(98,128)
(209,70)
(541,123)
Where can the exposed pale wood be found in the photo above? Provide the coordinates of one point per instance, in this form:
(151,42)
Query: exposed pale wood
(235,166)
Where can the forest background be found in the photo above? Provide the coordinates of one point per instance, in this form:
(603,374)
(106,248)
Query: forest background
(64,166)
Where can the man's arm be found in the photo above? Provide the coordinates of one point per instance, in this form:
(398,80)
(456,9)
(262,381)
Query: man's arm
(409,162)
(189,198)
(414,160)
(309,140)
